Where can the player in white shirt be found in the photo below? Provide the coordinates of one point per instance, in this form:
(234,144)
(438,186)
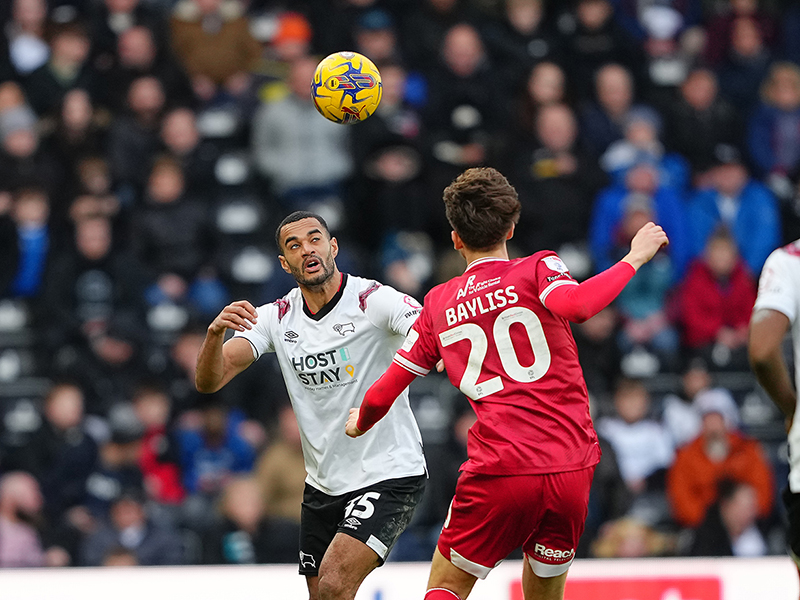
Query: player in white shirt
(777,309)
(334,335)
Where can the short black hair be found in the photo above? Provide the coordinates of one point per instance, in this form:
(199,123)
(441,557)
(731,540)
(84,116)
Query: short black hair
(299,215)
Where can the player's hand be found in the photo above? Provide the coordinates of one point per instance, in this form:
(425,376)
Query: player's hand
(647,241)
(351,428)
(239,316)
(440,365)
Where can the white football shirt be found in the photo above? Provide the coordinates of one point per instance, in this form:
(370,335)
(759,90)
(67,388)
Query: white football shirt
(329,360)
(779,289)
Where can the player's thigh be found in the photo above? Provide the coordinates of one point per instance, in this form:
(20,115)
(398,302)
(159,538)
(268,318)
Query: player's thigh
(792,503)
(345,565)
(542,588)
(445,574)
(563,507)
(488,518)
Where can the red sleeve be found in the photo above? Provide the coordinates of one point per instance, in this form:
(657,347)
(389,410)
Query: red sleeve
(382,394)
(581,302)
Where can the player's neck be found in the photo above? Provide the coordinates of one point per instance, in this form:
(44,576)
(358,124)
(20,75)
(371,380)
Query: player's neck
(318,296)
(471,256)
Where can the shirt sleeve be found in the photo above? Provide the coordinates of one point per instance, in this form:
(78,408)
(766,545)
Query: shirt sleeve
(419,353)
(260,336)
(776,286)
(392,310)
(551,273)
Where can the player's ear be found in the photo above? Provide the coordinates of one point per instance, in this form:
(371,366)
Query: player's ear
(334,247)
(457,243)
(284,264)
(510,233)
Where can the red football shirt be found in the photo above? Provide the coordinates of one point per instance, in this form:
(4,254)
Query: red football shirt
(516,362)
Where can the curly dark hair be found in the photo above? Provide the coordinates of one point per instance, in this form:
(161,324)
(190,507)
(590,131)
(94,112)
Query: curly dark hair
(481,206)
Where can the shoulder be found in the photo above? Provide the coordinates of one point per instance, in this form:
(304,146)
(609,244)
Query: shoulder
(276,310)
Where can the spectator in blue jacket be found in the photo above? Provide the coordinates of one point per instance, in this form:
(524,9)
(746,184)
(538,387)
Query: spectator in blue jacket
(745,206)
(641,180)
(773,136)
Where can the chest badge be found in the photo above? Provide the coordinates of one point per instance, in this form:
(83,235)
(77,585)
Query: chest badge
(344,328)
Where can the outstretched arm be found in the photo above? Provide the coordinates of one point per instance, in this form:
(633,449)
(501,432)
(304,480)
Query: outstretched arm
(581,302)
(218,361)
(378,400)
(767,329)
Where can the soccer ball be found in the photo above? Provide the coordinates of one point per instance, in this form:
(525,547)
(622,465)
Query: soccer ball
(346,88)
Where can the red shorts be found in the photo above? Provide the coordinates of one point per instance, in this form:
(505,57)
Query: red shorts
(491,515)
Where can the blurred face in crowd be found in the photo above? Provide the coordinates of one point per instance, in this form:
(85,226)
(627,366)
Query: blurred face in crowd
(126,513)
(63,408)
(744,7)
(524,15)
(215,424)
(714,428)
(746,39)
(642,178)
(442,6)
(30,15)
(463,50)
(121,6)
(783,89)
(95,176)
(614,87)
(179,131)
(70,49)
(11,96)
(136,48)
(641,133)
(300,76)
(394,85)
(93,237)
(21,143)
(739,512)
(721,256)
(185,351)
(546,84)
(166,183)
(31,209)
(700,89)
(152,408)
(729,179)
(76,110)
(593,14)
(632,403)
(695,380)
(378,44)
(556,127)
(636,217)
(20,496)
(146,97)
(243,503)
(208,7)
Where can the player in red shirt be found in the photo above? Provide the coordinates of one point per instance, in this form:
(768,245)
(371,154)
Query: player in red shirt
(502,330)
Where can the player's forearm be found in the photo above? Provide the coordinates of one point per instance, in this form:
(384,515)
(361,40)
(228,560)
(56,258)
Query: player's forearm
(581,302)
(210,373)
(771,372)
(382,394)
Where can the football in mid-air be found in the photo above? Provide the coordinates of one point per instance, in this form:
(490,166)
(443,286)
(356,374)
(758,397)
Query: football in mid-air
(346,88)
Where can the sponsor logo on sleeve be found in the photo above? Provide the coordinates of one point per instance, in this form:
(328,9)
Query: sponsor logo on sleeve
(411,339)
(307,560)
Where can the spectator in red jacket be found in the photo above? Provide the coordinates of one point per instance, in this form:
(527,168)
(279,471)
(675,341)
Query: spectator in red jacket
(715,301)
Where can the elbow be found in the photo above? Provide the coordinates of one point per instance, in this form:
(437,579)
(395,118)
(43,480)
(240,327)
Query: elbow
(205,387)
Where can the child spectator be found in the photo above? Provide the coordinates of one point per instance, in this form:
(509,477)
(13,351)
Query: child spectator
(715,302)
(642,445)
(680,415)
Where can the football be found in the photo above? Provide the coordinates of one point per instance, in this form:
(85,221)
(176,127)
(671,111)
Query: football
(346,87)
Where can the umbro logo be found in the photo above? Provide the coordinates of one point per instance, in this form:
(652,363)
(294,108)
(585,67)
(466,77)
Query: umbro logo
(352,523)
(291,336)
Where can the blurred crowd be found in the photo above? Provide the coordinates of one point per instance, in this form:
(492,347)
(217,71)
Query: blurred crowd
(148,148)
